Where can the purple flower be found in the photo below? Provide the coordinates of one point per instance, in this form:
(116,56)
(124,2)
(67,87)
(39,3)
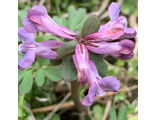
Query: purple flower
(39,20)
(122,49)
(82,59)
(109,34)
(31,49)
(114,10)
(97,85)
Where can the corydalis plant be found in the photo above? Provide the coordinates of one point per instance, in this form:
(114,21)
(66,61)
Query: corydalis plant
(81,55)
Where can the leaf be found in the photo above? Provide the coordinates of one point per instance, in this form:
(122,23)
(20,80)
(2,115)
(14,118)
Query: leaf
(100,64)
(44,38)
(43,61)
(102,68)
(64,22)
(98,111)
(55,117)
(53,73)
(113,113)
(55,62)
(66,49)
(119,96)
(95,57)
(79,15)
(91,25)
(133,118)
(69,72)
(21,75)
(131,108)
(128,7)
(39,77)
(26,83)
(81,23)
(71,13)
(122,114)
(57,20)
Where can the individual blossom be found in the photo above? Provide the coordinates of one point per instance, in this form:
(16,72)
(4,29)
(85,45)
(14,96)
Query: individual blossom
(114,10)
(82,59)
(98,85)
(114,29)
(31,49)
(39,20)
(122,49)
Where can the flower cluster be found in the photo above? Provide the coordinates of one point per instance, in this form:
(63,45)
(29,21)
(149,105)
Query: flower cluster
(99,42)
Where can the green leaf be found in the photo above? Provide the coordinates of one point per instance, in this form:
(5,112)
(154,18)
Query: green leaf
(133,118)
(67,49)
(100,64)
(57,20)
(102,68)
(95,57)
(43,38)
(131,108)
(113,113)
(79,15)
(98,112)
(55,117)
(43,61)
(119,96)
(120,62)
(128,7)
(39,77)
(71,14)
(26,83)
(55,62)
(91,25)
(21,75)
(64,22)
(69,71)
(122,114)
(81,23)
(53,73)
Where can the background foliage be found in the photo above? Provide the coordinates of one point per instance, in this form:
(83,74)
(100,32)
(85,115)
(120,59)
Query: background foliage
(42,84)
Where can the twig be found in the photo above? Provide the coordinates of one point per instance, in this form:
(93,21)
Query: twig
(89,113)
(75,96)
(71,103)
(57,107)
(107,108)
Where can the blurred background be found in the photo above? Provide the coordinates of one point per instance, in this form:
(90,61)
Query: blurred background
(48,96)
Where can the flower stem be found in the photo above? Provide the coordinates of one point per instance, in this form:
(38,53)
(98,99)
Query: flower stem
(75,95)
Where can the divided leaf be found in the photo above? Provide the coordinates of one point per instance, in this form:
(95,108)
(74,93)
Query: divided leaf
(113,113)
(53,73)
(39,77)
(122,114)
(26,83)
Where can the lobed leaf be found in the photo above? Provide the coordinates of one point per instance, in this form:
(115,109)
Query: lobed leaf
(39,77)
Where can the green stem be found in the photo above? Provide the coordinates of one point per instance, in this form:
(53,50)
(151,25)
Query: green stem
(75,95)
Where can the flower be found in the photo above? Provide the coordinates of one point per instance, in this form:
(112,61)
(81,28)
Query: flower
(97,85)
(114,29)
(39,20)
(122,49)
(31,49)
(114,10)
(82,58)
